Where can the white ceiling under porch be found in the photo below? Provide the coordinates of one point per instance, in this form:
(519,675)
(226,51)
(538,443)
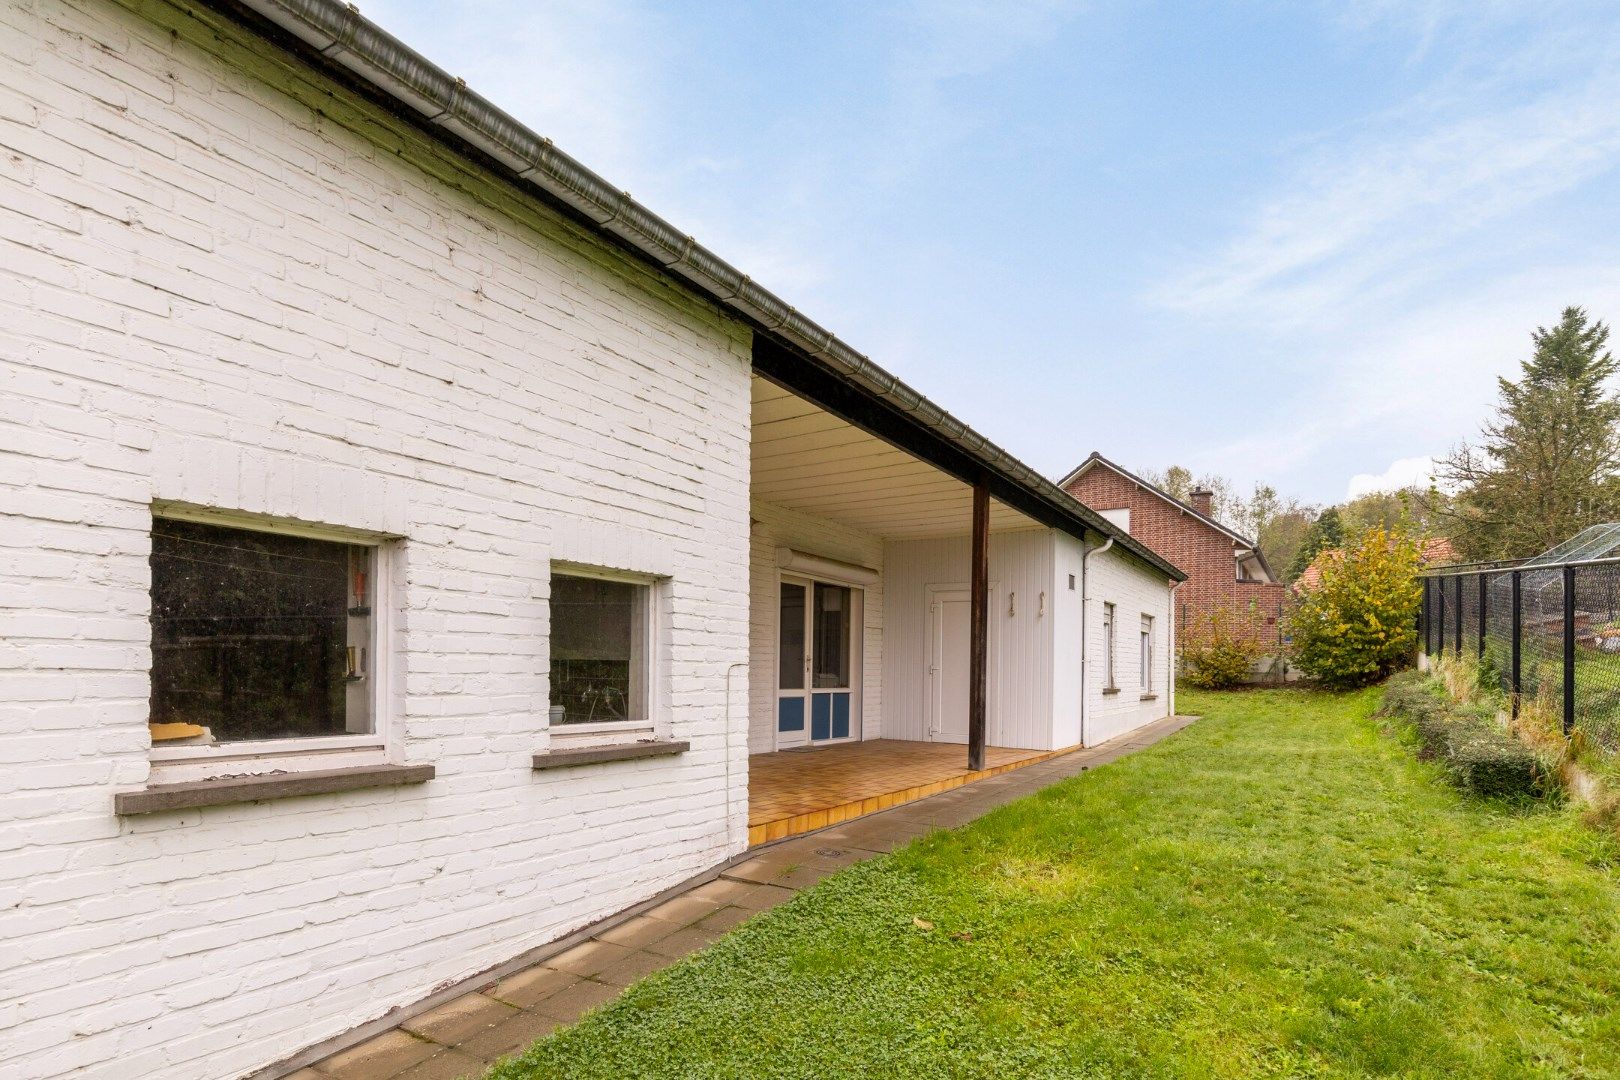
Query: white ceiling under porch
(807,459)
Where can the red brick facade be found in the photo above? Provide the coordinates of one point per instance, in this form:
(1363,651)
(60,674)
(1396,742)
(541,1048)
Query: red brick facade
(1201,550)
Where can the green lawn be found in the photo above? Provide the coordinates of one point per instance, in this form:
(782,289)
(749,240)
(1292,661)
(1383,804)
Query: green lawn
(1278,890)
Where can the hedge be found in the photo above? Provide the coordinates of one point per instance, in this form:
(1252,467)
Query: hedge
(1477,754)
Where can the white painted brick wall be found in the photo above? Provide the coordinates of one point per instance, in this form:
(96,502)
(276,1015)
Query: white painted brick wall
(1113,577)
(776,526)
(214,293)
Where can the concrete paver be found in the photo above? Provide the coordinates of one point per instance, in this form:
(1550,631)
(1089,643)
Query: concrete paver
(529,987)
(460,1019)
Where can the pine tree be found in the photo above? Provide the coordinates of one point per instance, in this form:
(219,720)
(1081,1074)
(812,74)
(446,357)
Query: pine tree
(1546,466)
(1327,531)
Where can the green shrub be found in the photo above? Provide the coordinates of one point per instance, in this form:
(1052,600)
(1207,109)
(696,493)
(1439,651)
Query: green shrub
(1219,649)
(1477,754)
(1358,623)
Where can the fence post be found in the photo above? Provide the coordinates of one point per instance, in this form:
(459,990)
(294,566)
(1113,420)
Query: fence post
(1459,616)
(1440,616)
(1569,650)
(1482,581)
(1513,676)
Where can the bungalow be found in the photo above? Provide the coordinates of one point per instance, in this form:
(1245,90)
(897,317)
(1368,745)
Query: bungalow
(414,551)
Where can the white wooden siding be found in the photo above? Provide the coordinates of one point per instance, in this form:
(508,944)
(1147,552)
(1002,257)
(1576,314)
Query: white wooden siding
(1020,705)
(1068,625)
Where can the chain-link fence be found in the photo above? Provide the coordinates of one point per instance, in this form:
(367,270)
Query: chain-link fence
(1549,634)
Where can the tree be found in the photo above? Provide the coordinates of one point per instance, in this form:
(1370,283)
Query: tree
(1325,533)
(1411,508)
(1360,623)
(1283,537)
(1546,465)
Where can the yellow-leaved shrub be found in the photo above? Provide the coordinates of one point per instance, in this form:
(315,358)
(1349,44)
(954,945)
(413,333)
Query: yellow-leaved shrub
(1360,622)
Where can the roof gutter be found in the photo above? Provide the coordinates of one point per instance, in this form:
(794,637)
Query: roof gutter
(341,35)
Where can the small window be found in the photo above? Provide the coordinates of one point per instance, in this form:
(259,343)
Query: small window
(258,635)
(1108,647)
(1147,653)
(599,649)
(1071,583)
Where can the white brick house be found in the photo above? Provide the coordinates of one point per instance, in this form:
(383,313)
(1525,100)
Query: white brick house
(514,472)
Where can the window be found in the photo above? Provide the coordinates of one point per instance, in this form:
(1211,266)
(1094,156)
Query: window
(258,635)
(1147,653)
(791,638)
(1108,647)
(600,667)
(830,666)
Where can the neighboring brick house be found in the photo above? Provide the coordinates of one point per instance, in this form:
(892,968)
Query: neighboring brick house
(1224,568)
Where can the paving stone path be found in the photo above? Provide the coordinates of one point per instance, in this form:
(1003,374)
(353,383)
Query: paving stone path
(463,1037)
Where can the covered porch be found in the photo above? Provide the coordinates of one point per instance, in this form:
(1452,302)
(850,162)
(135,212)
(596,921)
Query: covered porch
(902,612)
(802,790)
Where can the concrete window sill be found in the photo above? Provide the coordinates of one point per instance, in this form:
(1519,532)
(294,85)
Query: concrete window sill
(280,785)
(594,755)
(1150,697)
(1110,690)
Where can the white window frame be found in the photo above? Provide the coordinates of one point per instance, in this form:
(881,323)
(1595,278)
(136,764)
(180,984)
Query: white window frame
(1110,640)
(1147,653)
(180,763)
(652,677)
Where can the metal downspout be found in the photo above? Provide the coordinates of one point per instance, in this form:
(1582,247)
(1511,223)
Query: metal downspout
(1085,635)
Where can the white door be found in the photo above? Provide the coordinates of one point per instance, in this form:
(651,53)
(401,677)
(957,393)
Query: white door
(951,612)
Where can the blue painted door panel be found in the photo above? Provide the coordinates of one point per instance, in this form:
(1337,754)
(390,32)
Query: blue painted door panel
(790,714)
(829,715)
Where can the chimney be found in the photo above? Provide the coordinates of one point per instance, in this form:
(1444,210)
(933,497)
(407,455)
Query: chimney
(1200,497)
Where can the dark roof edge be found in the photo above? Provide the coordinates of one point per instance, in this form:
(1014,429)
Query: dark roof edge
(1096,458)
(338,35)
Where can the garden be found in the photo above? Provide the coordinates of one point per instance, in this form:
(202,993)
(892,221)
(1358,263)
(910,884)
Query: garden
(1285,888)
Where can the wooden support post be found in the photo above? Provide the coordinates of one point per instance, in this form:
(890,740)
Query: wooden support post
(979,631)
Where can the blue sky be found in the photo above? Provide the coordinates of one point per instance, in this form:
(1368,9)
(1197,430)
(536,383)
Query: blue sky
(1288,242)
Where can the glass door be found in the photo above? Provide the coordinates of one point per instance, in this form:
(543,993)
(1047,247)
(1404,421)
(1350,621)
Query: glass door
(792,664)
(832,617)
(816,641)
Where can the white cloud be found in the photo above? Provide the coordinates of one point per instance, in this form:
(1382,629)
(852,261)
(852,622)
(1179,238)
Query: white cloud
(1402,473)
(1353,218)
(1521,110)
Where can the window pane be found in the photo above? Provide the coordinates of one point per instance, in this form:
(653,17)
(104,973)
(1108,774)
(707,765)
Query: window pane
(257,635)
(598,646)
(790,675)
(830,667)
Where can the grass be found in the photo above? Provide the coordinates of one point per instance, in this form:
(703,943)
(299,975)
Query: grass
(1278,890)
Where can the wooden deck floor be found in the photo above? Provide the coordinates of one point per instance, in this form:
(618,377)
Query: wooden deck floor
(796,791)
